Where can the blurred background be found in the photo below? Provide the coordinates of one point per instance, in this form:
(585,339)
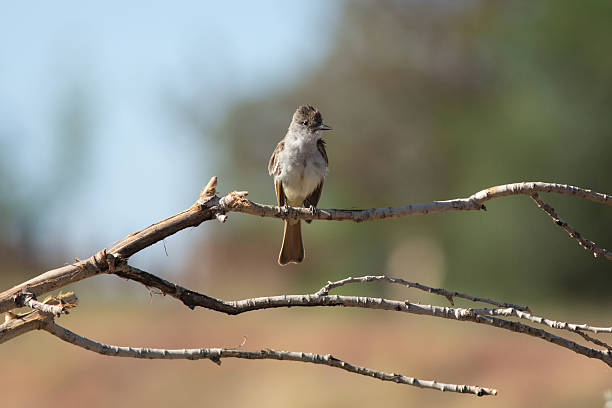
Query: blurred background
(114,116)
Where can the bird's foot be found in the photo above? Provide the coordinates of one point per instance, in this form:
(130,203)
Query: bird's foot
(313,211)
(284,209)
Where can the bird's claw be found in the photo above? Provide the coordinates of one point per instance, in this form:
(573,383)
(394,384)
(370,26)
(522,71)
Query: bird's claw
(313,210)
(285,209)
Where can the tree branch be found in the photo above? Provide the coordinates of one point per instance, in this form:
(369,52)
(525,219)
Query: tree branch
(438,291)
(216,354)
(29,300)
(237,203)
(209,206)
(321,298)
(15,325)
(38,319)
(585,243)
(189,298)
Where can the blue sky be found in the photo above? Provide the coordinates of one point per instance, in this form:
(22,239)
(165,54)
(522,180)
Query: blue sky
(126,59)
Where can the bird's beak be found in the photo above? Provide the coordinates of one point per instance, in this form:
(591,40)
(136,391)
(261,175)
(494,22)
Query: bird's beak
(324,127)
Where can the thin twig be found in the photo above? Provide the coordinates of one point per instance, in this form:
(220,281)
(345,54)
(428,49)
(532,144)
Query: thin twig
(438,291)
(594,340)
(29,300)
(216,354)
(16,325)
(572,327)
(189,298)
(585,243)
(530,187)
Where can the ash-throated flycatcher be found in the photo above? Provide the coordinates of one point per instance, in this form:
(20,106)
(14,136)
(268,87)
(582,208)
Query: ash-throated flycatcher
(299,166)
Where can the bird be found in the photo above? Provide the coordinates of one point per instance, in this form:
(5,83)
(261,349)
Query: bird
(299,165)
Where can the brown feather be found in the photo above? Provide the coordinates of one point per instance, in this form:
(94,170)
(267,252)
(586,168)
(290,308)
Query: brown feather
(292,249)
(321,147)
(315,196)
(280,194)
(308,114)
(273,166)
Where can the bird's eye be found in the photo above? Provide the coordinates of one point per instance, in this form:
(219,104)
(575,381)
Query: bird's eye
(305,123)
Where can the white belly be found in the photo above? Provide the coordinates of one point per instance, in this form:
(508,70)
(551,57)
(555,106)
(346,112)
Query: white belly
(301,181)
(303,169)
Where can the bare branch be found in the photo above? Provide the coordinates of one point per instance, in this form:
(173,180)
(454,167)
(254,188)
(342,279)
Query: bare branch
(106,261)
(585,243)
(49,281)
(16,325)
(209,206)
(530,187)
(603,355)
(594,340)
(482,316)
(438,291)
(571,327)
(189,298)
(474,202)
(216,354)
(54,306)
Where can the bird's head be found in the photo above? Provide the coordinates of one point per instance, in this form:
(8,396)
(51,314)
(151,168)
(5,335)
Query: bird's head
(307,117)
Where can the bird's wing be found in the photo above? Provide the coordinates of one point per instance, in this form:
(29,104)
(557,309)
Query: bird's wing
(274,169)
(273,165)
(315,196)
(280,194)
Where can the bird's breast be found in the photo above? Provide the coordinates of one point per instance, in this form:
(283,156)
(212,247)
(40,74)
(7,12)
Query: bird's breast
(302,170)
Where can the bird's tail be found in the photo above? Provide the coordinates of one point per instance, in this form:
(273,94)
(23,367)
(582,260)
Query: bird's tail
(292,249)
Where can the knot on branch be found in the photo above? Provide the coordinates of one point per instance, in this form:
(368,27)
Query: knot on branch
(208,193)
(208,200)
(100,261)
(51,305)
(475,203)
(235,199)
(215,356)
(103,261)
(22,297)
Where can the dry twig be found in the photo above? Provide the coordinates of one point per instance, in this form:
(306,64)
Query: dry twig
(482,316)
(216,354)
(438,291)
(585,243)
(29,300)
(16,325)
